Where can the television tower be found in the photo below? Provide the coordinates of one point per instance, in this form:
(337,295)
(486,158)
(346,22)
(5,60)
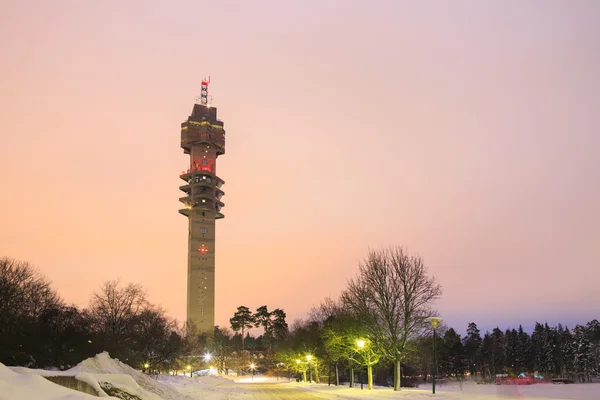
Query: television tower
(203,138)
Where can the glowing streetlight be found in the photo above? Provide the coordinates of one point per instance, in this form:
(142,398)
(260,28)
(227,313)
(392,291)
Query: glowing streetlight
(303,370)
(308,358)
(207,357)
(252,366)
(189,368)
(434,321)
(361,343)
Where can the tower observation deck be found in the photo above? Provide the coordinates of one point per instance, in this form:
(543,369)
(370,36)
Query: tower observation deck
(203,138)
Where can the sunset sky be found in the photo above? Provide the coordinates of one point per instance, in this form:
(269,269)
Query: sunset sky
(467,131)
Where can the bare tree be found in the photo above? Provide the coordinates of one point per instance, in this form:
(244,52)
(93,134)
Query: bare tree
(24,291)
(114,307)
(394,296)
(154,338)
(25,296)
(221,348)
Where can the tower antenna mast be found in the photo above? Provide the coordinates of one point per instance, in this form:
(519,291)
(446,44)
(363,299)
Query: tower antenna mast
(204,91)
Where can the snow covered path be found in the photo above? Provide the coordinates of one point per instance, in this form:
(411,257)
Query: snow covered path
(215,388)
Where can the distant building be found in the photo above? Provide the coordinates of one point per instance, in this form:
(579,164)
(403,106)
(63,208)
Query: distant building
(203,138)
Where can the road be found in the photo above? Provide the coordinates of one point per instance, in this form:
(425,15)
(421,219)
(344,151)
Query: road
(260,391)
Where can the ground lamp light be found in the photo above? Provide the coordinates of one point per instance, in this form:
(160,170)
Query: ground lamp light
(308,358)
(252,366)
(189,368)
(434,324)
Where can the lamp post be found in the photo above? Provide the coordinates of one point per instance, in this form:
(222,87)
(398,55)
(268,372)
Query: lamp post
(434,324)
(146,365)
(303,370)
(361,345)
(308,358)
(189,368)
(367,357)
(252,366)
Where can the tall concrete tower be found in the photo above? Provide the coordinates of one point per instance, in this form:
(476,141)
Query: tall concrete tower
(203,138)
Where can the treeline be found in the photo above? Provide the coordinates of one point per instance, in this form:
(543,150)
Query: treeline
(376,331)
(39,330)
(548,351)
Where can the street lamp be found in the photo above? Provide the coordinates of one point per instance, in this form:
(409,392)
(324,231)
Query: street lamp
(146,365)
(434,321)
(308,358)
(189,368)
(207,357)
(361,345)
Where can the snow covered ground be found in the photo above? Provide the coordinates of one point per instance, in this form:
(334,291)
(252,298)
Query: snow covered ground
(245,388)
(99,372)
(15,386)
(18,383)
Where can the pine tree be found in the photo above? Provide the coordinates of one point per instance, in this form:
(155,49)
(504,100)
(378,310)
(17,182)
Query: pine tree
(453,353)
(472,345)
(582,357)
(498,350)
(262,318)
(512,350)
(593,335)
(537,347)
(280,326)
(242,320)
(487,355)
(523,350)
(566,347)
(549,349)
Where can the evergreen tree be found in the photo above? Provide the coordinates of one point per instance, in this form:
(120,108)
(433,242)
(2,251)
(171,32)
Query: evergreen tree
(487,355)
(593,335)
(512,350)
(241,321)
(523,350)
(537,347)
(262,318)
(498,350)
(567,351)
(280,326)
(472,344)
(453,353)
(550,350)
(582,355)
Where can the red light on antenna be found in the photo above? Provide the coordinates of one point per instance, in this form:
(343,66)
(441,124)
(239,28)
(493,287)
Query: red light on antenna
(205,81)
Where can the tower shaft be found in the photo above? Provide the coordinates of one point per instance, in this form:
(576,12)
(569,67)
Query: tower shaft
(203,138)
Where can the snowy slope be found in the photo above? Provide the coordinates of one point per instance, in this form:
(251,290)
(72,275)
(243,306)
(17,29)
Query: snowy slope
(101,369)
(106,369)
(15,386)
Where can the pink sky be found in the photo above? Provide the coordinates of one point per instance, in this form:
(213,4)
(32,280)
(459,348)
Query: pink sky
(467,131)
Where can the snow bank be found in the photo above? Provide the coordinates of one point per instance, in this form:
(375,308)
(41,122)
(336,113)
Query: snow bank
(105,374)
(16,386)
(105,369)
